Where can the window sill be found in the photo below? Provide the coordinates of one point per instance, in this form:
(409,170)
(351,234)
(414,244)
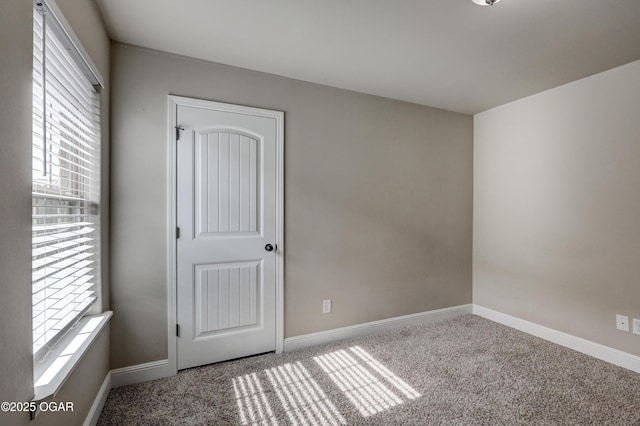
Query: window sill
(50,374)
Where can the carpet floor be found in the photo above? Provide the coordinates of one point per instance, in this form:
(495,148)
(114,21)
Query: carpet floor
(462,371)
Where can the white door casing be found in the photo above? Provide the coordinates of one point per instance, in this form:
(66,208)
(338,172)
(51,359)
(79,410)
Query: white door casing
(228,193)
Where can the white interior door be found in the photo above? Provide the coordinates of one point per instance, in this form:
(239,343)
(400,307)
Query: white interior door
(226,250)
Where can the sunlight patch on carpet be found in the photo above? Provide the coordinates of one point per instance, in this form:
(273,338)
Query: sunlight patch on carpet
(356,379)
(302,398)
(379,368)
(252,403)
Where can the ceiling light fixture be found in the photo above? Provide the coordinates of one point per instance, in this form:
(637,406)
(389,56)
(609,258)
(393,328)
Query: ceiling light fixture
(485,2)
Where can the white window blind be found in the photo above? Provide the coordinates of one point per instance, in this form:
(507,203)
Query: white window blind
(66,183)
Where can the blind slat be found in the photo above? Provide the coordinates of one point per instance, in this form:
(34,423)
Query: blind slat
(50,282)
(78,252)
(58,226)
(52,239)
(62,270)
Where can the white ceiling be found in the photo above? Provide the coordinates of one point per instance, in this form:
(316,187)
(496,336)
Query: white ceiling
(450,54)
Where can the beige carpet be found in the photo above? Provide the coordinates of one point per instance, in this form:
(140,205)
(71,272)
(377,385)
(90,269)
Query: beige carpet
(464,371)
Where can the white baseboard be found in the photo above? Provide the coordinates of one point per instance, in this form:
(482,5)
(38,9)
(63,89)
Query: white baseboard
(140,373)
(98,403)
(596,350)
(369,328)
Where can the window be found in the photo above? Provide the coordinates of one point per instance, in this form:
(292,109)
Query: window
(66,182)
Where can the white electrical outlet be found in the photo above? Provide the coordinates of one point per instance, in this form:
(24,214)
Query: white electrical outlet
(636,326)
(622,322)
(326,306)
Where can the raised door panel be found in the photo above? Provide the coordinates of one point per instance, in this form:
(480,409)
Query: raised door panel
(227,298)
(227,182)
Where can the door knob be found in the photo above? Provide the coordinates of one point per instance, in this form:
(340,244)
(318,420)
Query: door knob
(268,247)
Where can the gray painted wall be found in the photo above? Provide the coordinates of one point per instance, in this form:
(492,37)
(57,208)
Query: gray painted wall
(556,237)
(378,198)
(16,370)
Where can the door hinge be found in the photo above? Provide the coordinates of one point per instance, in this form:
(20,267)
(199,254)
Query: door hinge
(177,330)
(178,128)
(177,232)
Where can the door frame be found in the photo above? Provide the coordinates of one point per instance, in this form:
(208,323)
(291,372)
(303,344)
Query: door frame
(172,282)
